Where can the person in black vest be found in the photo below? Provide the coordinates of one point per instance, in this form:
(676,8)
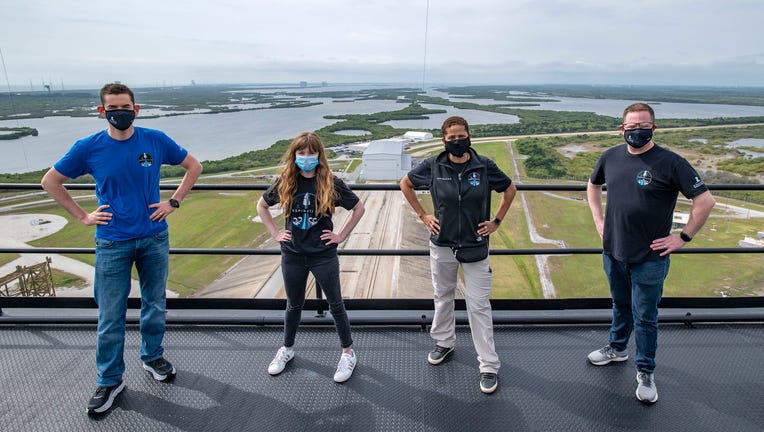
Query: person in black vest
(460,182)
(643,183)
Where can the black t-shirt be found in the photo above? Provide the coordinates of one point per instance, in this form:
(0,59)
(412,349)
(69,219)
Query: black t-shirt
(305,225)
(641,196)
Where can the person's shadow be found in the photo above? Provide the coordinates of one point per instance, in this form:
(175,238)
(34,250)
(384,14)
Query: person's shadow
(371,400)
(230,408)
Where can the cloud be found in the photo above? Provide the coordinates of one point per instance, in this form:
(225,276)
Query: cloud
(668,42)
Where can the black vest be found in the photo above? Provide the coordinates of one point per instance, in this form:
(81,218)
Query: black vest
(461,200)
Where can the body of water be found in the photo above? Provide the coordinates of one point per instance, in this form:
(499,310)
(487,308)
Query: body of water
(749,142)
(615,107)
(217,136)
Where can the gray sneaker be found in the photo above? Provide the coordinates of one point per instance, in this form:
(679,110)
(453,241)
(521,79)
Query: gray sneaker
(606,355)
(647,393)
(438,354)
(488,382)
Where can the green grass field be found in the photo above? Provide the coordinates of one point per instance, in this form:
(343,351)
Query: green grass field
(220,219)
(690,275)
(208,219)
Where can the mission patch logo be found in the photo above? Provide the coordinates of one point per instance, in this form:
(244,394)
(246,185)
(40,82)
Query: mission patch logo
(644,178)
(146,160)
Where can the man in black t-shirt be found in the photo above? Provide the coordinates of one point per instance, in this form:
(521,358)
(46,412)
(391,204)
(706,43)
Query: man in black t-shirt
(643,183)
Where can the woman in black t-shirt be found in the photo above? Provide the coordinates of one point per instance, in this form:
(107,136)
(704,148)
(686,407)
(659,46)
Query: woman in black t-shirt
(308,193)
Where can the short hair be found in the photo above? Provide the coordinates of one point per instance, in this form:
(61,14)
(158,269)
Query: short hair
(454,120)
(636,107)
(115,89)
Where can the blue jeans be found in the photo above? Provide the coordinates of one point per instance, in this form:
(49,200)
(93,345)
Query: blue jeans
(114,263)
(326,270)
(636,290)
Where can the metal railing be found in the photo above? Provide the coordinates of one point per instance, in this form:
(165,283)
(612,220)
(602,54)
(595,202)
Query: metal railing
(381,304)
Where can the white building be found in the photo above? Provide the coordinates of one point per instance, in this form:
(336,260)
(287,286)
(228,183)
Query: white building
(384,160)
(680,220)
(414,136)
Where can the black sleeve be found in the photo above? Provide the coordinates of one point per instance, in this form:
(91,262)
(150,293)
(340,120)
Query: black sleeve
(271,195)
(421,175)
(688,180)
(598,174)
(345,197)
(496,177)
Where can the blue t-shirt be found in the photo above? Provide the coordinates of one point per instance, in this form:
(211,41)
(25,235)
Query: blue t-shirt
(126,174)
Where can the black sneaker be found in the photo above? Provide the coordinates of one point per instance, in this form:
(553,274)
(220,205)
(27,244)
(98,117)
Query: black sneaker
(103,398)
(438,354)
(488,382)
(160,368)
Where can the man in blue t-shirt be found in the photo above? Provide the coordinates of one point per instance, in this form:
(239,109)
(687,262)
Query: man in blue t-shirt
(643,183)
(131,229)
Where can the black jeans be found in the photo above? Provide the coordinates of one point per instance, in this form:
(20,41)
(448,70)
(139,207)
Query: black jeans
(326,270)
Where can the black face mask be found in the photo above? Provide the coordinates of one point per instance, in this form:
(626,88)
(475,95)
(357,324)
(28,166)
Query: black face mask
(638,138)
(458,147)
(120,119)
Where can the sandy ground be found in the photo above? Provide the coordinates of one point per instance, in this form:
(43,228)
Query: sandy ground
(18,230)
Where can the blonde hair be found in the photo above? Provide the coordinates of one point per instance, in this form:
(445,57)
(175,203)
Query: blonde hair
(325,193)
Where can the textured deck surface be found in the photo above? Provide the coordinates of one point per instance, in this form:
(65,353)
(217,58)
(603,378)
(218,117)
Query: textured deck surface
(709,378)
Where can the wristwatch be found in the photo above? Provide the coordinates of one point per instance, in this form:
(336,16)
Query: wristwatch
(174,203)
(497,221)
(683,235)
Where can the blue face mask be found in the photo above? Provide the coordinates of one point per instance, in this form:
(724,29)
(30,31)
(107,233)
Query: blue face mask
(306,163)
(120,119)
(638,138)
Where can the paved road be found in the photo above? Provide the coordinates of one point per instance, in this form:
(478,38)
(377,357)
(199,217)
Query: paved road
(17,230)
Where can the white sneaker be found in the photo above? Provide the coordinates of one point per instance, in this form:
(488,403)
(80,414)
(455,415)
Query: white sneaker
(345,367)
(279,362)
(647,393)
(606,355)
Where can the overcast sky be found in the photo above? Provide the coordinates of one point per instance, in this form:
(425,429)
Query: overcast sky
(148,42)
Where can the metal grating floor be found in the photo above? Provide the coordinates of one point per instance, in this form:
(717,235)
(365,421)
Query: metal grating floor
(710,378)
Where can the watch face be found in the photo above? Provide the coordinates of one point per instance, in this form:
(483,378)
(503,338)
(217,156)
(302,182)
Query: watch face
(174,203)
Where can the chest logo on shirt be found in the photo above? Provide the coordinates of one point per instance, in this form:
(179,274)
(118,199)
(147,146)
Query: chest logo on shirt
(303,211)
(474,179)
(146,160)
(644,178)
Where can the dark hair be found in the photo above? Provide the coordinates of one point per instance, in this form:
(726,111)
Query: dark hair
(636,107)
(115,89)
(454,120)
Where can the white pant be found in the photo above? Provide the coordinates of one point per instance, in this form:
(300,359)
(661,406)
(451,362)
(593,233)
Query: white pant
(478,281)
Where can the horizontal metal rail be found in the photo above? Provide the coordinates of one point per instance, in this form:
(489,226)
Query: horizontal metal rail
(379,252)
(368,187)
(389,305)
